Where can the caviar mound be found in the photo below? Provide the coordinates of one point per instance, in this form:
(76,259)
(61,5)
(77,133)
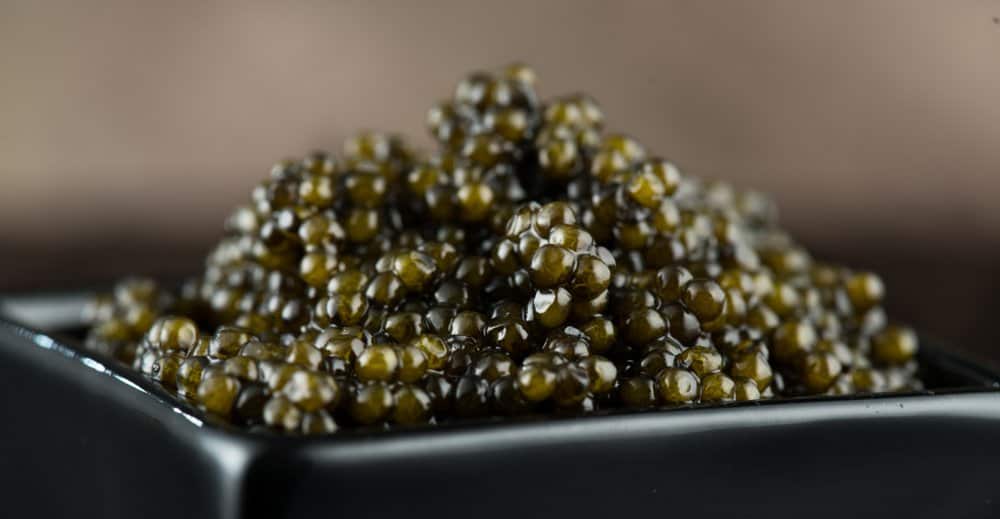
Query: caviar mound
(533,264)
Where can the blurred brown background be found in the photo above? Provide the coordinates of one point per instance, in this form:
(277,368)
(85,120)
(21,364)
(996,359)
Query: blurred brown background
(127,131)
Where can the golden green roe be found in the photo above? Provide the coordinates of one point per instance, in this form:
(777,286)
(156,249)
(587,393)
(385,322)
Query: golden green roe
(532,264)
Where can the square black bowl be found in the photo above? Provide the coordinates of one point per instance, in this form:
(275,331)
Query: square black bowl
(80,436)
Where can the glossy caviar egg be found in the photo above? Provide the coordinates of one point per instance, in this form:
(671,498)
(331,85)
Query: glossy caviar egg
(250,402)
(677,386)
(601,372)
(243,368)
(227,342)
(532,263)
(746,390)
(312,390)
(412,363)
(377,362)
(550,307)
(793,339)
(752,366)
(717,387)
(643,326)
(536,383)
(551,265)
(471,397)
(188,376)
(371,403)
(435,350)
(318,422)
(173,334)
(572,385)
(671,283)
(638,392)
(702,360)
(413,405)
(281,414)
(865,290)
(820,371)
(704,298)
(164,369)
(217,393)
(894,345)
(601,333)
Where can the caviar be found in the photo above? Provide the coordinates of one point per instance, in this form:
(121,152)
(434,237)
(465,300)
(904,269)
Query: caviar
(533,264)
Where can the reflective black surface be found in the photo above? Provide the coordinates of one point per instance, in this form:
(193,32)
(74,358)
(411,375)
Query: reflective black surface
(82,437)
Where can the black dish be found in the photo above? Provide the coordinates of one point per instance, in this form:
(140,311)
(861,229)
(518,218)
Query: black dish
(81,436)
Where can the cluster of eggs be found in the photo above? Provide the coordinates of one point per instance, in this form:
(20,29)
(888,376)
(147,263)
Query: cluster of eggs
(533,264)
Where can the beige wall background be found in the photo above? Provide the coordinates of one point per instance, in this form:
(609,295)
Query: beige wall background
(864,118)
